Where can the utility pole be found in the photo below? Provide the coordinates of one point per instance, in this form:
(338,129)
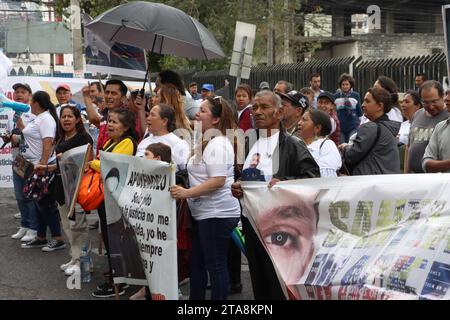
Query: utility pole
(271,36)
(286,34)
(77,45)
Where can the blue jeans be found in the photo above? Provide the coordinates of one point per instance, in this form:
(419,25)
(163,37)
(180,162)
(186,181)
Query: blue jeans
(27,208)
(209,255)
(48,215)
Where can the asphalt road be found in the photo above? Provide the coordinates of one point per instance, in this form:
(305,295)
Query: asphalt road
(30,274)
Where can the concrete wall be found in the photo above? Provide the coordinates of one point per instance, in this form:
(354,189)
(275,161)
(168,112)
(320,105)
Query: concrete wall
(383,46)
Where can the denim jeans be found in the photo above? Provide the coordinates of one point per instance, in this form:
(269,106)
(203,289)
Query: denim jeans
(209,255)
(48,215)
(27,208)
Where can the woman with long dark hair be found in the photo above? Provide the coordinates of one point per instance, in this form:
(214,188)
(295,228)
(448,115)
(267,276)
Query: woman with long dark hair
(72,134)
(40,136)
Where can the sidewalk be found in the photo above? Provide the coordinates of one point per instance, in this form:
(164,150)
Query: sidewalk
(30,274)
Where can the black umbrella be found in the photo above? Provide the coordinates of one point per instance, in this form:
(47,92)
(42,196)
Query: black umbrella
(158,28)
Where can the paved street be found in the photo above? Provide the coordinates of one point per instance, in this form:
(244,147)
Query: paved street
(30,274)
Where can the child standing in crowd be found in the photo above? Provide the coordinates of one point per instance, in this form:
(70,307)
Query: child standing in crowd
(161,152)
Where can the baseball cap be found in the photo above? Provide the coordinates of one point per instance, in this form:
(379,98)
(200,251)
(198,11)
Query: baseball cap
(264,86)
(297,99)
(327,95)
(63,86)
(208,87)
(22,85)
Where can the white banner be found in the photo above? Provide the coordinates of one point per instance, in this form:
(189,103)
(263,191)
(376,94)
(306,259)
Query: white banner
(367,237)
(5,154)
(141,219)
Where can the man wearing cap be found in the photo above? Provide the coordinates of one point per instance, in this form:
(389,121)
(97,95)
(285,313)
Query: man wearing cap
(64,96)
(207,91)
(294,104)
(28,224)
(264,86)
(281,157)
(325,102)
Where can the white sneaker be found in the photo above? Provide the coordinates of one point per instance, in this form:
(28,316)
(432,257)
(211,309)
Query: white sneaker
(64,266)
(20,234)
(72,269)
(30,235)
(18,216)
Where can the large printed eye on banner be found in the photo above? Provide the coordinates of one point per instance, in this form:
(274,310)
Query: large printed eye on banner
(106,57)
(360,238)
(141,218)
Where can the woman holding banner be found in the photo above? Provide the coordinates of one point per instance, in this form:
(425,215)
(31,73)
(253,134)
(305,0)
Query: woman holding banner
(122,140)
(72,134)
(214,210)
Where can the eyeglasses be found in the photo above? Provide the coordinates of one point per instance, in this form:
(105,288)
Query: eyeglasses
(430,102)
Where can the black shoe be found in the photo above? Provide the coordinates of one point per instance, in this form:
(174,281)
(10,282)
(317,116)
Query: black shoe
(107,290)
(106,285)
(235,289)
(36,243)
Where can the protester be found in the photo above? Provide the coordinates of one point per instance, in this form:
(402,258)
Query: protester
(410,104)
(193,90)
(243,96)
(348,107)
(169,95)
(122,140)
(325,102)
(264,85)
(314,128)
(294,104)
(72,134)
(39,138)
(437,154)
(388,84)
(207,91)
(308,92)
(374,150)
(214,210)
(191,106)
(283,87)
(420,79)
(161,124)
(283,157)
(423,123)
(28,223)
(314,82)
(64,96)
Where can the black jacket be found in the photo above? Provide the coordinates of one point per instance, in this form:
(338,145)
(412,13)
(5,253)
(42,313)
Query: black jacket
(295,160)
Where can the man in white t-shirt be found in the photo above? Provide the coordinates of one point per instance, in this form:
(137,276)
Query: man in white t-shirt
(28,225)
(281,157)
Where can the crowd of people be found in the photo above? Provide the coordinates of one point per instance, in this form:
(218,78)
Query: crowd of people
(300,133)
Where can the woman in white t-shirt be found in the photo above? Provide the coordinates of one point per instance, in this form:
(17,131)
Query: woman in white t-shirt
(314,127)
(410,104)
(39,138)
(160,125)
(215,211)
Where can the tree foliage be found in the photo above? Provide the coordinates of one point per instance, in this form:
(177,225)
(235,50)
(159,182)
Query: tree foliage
(219,17)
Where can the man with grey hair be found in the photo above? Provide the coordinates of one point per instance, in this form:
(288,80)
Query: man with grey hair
(283,87)
(282,157)
(423,123)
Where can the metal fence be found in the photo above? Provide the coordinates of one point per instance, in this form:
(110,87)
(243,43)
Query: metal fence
(402,70)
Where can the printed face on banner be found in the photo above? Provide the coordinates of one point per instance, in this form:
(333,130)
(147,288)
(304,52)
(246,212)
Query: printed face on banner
(376,238)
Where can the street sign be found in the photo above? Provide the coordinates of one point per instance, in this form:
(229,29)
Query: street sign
(241,59)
